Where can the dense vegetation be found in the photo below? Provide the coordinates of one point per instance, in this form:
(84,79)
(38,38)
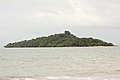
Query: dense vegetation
(59,40)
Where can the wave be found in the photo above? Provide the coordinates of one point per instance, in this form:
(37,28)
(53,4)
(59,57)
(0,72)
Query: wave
(23,79)
(64,78)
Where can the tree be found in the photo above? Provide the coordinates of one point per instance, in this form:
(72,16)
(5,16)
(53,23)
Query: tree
(59,40)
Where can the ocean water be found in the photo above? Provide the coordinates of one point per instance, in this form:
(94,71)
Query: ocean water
(72,63)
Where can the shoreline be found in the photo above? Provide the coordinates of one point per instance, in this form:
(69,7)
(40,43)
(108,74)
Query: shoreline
(57,47)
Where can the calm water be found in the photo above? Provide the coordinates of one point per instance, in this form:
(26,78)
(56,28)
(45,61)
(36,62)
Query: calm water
(82,63)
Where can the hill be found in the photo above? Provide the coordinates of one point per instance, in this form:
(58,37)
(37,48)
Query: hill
(65,39)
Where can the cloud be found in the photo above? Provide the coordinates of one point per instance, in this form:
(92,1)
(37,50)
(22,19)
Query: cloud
(76,14)
(80,13)
(72,12)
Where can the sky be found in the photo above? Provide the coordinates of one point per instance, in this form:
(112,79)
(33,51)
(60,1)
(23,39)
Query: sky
(27,19)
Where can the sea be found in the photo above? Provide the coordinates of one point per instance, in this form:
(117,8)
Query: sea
(60,63)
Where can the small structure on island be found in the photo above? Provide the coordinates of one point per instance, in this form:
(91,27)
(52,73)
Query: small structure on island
(67,32)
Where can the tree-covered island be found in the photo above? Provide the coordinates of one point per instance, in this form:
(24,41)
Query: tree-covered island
(65,39)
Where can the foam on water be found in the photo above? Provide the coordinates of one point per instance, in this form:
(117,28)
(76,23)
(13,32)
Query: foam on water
(23,79)
(78,78)
(65,78)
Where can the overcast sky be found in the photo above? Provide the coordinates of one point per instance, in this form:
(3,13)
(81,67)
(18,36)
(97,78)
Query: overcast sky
(27,19)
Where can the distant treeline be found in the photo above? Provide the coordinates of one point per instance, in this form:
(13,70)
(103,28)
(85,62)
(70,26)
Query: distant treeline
(59,40)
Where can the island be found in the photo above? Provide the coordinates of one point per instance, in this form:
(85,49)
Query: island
(65,39)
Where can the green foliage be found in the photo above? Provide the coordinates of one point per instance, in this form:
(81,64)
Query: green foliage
(59,40)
